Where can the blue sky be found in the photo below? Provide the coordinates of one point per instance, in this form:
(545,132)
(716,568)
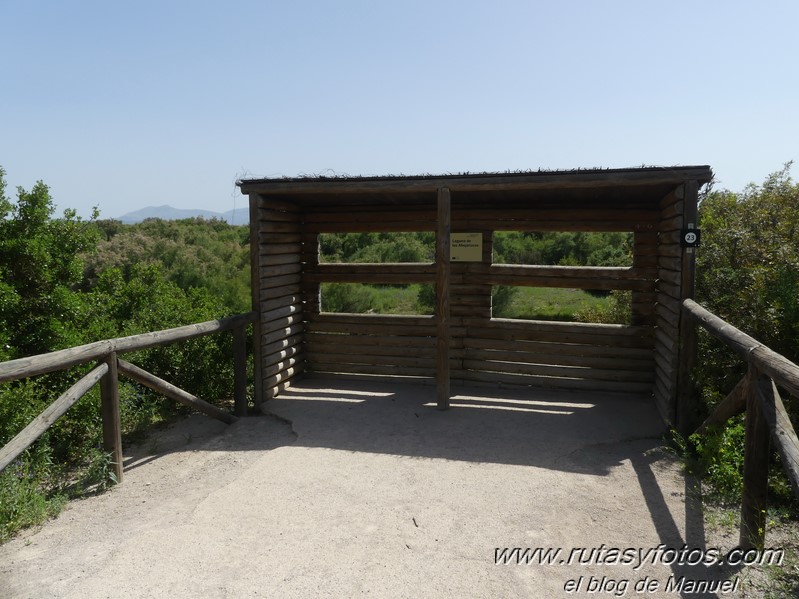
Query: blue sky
(125,105)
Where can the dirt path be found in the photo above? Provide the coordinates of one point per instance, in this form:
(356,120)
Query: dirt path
(370,491)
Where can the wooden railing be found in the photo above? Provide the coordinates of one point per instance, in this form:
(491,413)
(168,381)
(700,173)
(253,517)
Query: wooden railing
(106,373)
(767,421)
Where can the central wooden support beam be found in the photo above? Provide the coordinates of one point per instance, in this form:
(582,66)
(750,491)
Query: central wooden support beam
(443,231)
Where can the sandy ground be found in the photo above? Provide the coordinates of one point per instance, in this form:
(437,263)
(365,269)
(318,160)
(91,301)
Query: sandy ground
(354,489)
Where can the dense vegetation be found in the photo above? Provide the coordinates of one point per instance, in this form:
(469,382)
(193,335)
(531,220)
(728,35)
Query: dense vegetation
(66,281)
(747,273)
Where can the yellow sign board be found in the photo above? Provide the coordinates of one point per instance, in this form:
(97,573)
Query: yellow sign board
(466,247)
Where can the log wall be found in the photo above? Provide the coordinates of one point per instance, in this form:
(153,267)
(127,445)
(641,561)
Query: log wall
(277,291)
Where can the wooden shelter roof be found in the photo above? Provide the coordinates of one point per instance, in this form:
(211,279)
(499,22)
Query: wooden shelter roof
(644,185)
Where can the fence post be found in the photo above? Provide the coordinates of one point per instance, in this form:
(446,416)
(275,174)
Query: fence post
(112,428)
(686,416)
(443,232)
(755,475)
(240,371)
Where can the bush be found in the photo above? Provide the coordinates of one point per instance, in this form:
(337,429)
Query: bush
(748,274)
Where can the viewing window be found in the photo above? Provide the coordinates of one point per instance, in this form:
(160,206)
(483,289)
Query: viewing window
(559,248)
(562,248)
(377,247)
(358,298)
(560,304)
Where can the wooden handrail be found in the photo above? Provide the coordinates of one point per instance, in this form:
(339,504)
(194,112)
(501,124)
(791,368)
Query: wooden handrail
(106,374)
(766,360)
(66,358)
(767,421)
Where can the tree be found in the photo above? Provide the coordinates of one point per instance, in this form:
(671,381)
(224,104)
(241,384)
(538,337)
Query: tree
(748,265)
(40,270)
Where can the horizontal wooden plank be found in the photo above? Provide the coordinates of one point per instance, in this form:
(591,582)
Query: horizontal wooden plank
(279,270)
(353,347)
(371,319)
(664,338)
(470,300)
(278,356)
(470,289)
(511,324)
(560,371)
(667,367)
(671,303)
(274,336)
(315,357)
(560,282)
(533,334)
(669,289)
(663,402)
(268,238)
(457,309)
(282,344)
(277,303)
(674,209)
(399,268)
(669,276)
(272,293)
(267,215)
(672,250)
(556,382)
(371,369)
(671,224)
(66,358)
(272,203)
(378,226)
(280,259)
(280,281)
(645,363)
(369,187)
(540,226)
(569,272)
(667,315)
(350,216)
(281,323)
(268,248)
(281,312)
(645,261)
(272,382)
(666,378)
(563,216)
(670,263)
(277,389)
(646,238)
(377,278)
(559,349)
(358,341)
(277,367)
(372,329)
(398,273)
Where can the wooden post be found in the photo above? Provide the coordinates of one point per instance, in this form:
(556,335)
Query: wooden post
(756,458)
(112,428)
(443,231)
(255,287)
(685,413)
(240,371)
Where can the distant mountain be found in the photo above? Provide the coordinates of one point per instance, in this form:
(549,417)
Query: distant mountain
(241,216)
